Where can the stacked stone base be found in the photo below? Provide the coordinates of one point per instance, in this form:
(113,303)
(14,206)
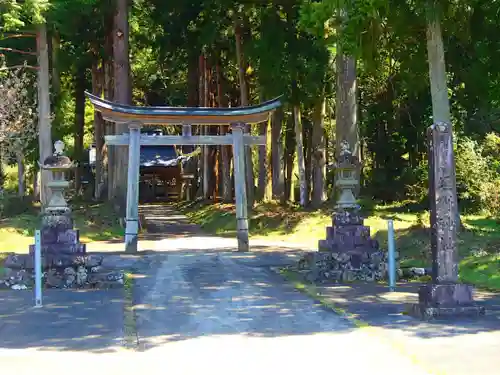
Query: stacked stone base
(437,301)
(324,267)
(60,271)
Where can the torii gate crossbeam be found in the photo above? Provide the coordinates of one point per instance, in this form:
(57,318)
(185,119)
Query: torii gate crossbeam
(136,117)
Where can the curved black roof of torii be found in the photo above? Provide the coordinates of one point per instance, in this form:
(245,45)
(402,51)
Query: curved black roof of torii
(184,115)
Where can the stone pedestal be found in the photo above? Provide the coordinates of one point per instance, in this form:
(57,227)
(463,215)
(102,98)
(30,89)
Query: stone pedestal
(60,243)
(64,260)
(348,234)
(445,300)
(348,253)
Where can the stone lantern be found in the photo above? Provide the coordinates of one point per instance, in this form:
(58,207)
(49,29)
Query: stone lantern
(351,254)
(58,164)
(346,180)
(59,239)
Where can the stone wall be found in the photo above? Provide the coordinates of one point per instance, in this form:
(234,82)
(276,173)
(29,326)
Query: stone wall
(86,271)
(322,267)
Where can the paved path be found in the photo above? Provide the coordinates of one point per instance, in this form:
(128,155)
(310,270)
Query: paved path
(78,329)
(217,314)
(68,321)
(453,347)
(201,308)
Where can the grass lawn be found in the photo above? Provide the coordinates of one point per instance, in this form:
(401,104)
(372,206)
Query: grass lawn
(96,222)
(479,243)
(2,259)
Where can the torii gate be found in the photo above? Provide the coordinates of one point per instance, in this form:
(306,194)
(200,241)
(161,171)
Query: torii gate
(135,117)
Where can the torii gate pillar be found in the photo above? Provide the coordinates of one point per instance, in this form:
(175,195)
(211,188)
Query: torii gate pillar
(132,219)
(240,189)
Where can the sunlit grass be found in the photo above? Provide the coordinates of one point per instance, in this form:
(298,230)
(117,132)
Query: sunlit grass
(2,259)
(96,222)
(290,224)
(483,271)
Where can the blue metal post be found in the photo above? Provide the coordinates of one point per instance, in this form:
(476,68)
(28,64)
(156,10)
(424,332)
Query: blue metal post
(38,269)
(391,255)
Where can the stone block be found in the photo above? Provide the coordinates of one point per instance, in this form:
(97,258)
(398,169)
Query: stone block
(423,312)
(93,261)
(57,222)
(61,248)
(60,235)
(445,301)
(445,295)
(69,236)
(49,235)
(347,218)
(65,260)
(324,245)
(16,261)
(105,279)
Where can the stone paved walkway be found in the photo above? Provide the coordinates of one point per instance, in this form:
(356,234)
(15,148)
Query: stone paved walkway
(216,313)
(201,307)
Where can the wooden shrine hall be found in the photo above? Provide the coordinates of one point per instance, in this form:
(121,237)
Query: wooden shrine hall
(136,117)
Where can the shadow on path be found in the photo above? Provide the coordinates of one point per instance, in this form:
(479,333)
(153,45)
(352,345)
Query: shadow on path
(68,321)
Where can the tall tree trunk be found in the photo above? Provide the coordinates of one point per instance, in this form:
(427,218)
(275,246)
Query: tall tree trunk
(262,179)
(122,94)
(21,188)
(227,193)
(79,126)
(2,175)
(44,126)
(244,103)
(437,71)
(439,87)
(262,161)
(191,166)
(225,160)
(307,132)
(36,182)
(347,108)
(268,153)
(300,155)
(193,80)
(109,127)
(277,165)
(318,154)
(56,78)
(202,163)
(289,157)
(97,85)
(207,170)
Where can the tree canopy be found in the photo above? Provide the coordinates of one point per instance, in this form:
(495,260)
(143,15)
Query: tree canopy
(290,48)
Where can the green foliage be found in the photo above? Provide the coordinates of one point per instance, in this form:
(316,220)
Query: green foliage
(289,48)
(478,176)
(11,205)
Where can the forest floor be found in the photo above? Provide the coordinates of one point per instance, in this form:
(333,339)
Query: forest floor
(479,242)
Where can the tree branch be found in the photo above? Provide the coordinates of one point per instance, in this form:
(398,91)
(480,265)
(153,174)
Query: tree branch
(18,67)
(17,51)
(11,36)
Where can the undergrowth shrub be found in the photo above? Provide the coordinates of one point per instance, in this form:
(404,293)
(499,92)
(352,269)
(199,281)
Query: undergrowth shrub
(478,174)
(12,205)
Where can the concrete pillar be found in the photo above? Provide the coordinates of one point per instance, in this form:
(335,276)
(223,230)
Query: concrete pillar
(240,187)
(132,218)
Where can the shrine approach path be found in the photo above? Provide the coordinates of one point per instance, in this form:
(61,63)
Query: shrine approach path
(201,307)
